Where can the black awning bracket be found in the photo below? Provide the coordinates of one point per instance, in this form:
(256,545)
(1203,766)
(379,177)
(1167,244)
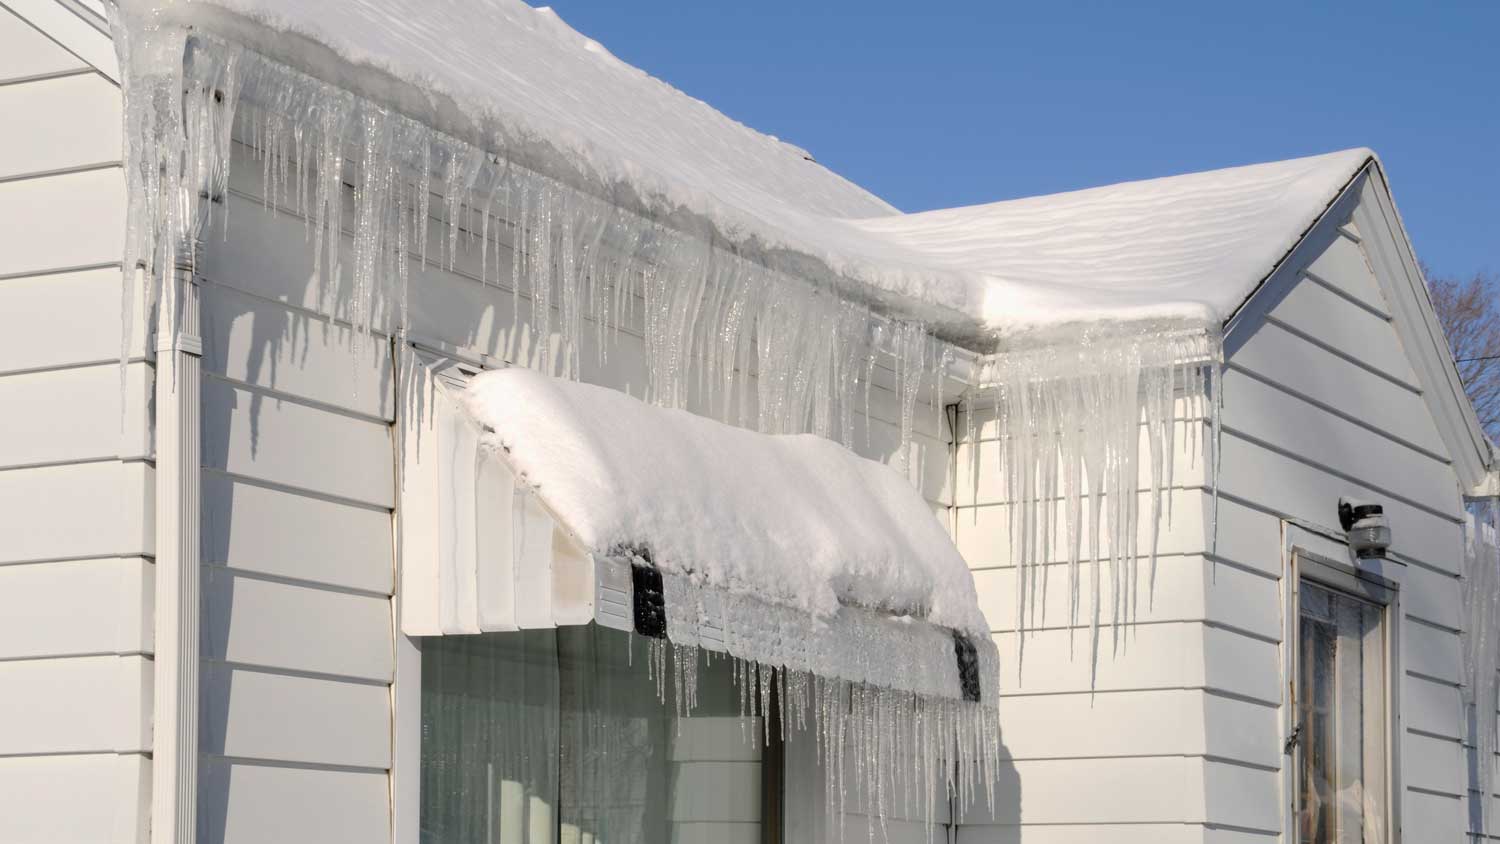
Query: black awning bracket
(650,602)
(968,666)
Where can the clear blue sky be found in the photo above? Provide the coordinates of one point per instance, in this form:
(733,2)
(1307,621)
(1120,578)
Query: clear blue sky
(940,104)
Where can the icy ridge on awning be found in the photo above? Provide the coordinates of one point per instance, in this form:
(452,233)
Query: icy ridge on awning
(793,520)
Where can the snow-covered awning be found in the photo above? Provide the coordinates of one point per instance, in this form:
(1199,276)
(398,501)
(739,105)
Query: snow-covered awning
(533,502)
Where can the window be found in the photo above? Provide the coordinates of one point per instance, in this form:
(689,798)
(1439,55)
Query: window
(560,736)
(1342,731)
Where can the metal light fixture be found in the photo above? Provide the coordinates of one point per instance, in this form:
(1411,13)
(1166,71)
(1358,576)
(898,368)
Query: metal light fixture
(1365,526)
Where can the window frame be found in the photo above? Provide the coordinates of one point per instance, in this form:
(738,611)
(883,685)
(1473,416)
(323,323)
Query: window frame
(1321,557)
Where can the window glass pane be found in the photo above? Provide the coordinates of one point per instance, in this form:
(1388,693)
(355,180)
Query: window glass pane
(1341,711)
(607,763)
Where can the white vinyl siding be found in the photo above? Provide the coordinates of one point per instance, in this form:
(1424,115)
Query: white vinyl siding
(75,471)
(1321,402)
(298,490)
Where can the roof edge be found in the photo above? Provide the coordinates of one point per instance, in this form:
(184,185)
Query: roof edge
(1367,200)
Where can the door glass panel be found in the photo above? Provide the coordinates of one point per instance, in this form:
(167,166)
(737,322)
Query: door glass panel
(562,737)
(1341,711)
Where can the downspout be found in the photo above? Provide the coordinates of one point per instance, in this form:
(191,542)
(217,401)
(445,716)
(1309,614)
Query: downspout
(174,765)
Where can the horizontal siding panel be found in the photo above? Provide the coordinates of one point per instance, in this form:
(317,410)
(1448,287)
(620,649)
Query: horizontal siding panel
(1186,588)
(1084,725)
(1148,656)
(1432,708)
(87,704)
(1343,265)
(1432,596)
(1237,796)
(108,608)
(1432,817)
(286,442)
(1249,537)
(69,121)
(83,306)
(1293,363)
(243,803)
(1240,665)
(716,791)
(982,533)
(269,345)
(259,715)
(302,628)
(74,415)
(84,510)
(1242,731)
(1175,833)
(1261,412)
(75,799)
(279,533)
(62,222)
(1433,764)
(235,255)
(1429,651)
(714,739)
(1254,473)
(26,53)
(1162,789)
(1318,312)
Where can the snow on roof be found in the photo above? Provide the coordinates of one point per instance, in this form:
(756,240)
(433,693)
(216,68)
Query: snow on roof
(1189,247)
(793,520)
(1185,247)
(528,83)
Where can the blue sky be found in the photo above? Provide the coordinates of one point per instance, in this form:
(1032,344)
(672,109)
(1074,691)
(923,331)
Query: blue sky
(942,104)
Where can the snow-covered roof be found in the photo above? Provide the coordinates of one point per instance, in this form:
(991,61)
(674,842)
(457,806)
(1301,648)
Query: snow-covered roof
(795,521)
(1189,247)
(521,81)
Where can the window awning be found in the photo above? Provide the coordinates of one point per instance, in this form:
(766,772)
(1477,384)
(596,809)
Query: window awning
(532,502)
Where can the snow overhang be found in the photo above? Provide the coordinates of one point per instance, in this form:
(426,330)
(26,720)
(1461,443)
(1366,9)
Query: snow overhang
(535,502)
(519,84)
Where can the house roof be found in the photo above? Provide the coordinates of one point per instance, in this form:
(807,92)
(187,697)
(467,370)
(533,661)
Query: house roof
(1190,247)
(1186,248)
(518,80)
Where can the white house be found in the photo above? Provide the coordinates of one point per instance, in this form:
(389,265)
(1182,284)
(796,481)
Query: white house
(283,559)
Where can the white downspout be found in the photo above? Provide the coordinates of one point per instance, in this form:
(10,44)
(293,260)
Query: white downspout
(174,765)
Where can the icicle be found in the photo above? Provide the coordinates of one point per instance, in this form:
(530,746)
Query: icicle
(1481,646)
(1070,420)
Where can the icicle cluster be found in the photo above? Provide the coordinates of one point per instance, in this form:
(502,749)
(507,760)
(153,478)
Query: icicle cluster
(881,750)
(1070,422)
(722,334)
(1481,644)
(746,343)
(176,140)
(881,696)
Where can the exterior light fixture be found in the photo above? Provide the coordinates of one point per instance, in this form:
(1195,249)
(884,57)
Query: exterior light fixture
(1365,526)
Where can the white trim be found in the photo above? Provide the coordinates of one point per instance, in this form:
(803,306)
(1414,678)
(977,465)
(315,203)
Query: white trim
(1389,252)
(66,26)
(1336,567)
